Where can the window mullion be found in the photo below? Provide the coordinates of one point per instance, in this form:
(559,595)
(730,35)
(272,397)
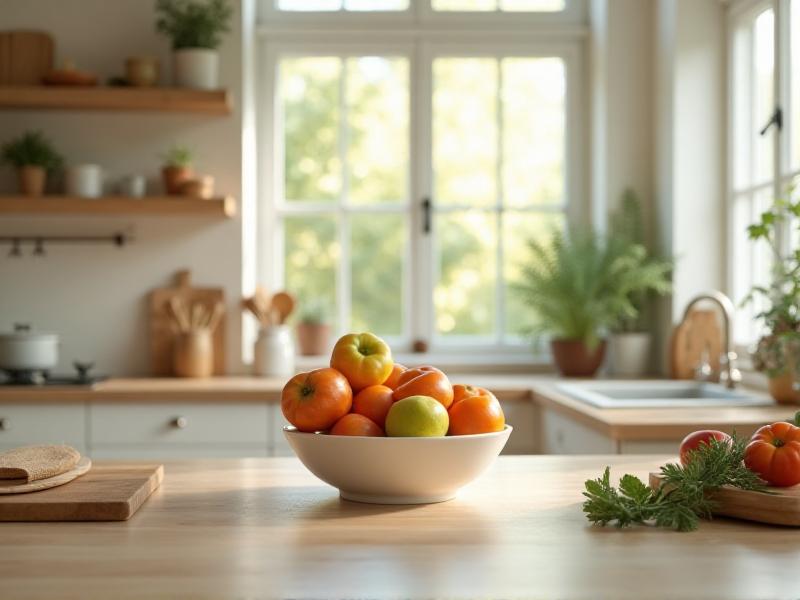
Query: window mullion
(500,295)
(344,292)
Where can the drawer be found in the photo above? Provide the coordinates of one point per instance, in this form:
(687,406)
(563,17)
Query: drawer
(170,452)
(24,424)
(178,423)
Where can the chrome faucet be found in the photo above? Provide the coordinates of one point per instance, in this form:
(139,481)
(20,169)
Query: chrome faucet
(729,374)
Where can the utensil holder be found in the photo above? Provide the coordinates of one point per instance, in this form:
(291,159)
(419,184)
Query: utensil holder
(193,354)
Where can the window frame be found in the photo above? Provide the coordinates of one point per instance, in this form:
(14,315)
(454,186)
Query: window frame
(420,47)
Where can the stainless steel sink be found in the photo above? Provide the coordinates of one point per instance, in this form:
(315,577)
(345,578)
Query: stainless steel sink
(658,394)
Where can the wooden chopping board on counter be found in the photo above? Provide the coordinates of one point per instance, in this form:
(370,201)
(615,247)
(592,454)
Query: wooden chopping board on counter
(25,57)
(105,493)
(780,508)
(700,332)
(161,333)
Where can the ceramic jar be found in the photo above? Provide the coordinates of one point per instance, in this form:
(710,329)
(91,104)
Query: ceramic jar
(274,352)
(196,68)
(84,181)
(193,354)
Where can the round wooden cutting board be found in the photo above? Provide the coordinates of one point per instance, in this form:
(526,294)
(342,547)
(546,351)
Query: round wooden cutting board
(83,466)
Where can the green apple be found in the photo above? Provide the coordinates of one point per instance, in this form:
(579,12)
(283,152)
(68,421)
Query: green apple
(417,416)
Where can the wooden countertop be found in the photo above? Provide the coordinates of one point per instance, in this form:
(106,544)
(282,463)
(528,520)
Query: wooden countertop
(266,528)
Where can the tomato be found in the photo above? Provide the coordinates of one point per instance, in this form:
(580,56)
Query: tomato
(394,377)
(364,358)
(374,402)
(693,440)
(774,453)
(353,424)
(476,414)
(425,381)
(460,392)
(315,400)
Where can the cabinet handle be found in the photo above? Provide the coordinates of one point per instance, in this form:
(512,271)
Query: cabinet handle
(5,424)
(180,422)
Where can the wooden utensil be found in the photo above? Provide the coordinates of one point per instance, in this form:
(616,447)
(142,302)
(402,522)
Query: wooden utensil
(162,317)
(25,57)
(282,306)
(83,466)
(699,334)
(106,493)
(780,508)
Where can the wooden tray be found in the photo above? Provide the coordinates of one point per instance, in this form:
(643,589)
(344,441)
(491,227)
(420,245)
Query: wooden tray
(781,508)
(106,493)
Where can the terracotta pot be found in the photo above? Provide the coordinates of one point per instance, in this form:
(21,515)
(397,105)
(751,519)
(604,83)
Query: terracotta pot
(193,354)
(574,359)
(174,177)
(31,180)
(313,338)
(199,187)
(781,388)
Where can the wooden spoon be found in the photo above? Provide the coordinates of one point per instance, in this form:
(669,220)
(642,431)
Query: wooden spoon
(283,303)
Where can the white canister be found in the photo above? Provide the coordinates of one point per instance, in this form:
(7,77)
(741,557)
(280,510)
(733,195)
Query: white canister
(84,181)
(274,352)
(196,68)
(133,186)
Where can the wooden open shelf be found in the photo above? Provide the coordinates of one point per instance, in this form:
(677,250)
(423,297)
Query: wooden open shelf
(220,208)
(213,102)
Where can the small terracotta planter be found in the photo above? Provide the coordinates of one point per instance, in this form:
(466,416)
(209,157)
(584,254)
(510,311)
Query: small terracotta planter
(31,180)
(174,178)
(313,339)
(781,388)
(574,359)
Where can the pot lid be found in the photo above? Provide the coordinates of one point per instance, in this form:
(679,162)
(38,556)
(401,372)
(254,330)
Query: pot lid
(22,332)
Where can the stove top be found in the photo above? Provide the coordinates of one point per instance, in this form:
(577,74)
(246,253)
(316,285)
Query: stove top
(35,377)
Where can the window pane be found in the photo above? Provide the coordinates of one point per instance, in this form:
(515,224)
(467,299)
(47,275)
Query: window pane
(309,5)
(465,5)
(331,5)
(764,99)
(376,5)
(309,89)
(378,248)
(464,296)
(518,229)
(311,253)
(533,5)
(743,125)
(794,74)
(505,5)
(377,109)
(533,131)
(465,131)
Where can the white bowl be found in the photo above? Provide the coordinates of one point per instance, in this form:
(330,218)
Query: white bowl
(397,470)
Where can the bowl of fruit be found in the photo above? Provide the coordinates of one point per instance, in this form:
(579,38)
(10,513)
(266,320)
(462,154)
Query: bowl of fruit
(386,434)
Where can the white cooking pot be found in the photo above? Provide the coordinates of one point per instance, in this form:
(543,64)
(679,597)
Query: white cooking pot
(24,350)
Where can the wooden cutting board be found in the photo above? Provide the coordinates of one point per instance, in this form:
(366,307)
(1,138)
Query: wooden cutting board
(780,508)
(698,332)
(106,493)
(25,57)
(161,334)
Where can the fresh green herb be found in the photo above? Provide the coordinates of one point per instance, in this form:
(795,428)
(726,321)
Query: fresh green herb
(177,156)
(32,148)
(192,23)
(683,497)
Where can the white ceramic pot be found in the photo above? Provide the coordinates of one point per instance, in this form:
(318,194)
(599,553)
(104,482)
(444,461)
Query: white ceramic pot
(274,352)
(133,186)
(629,354)
(84,181)
(196,68)
(23,350)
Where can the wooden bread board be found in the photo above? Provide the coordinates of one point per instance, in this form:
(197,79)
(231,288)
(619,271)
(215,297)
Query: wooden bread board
(780,508)
(161,333)
(700,332)
(25,487)
(106,493)
(25,57)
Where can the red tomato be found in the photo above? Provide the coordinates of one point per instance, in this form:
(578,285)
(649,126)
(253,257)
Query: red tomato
(693,440)
(774,453)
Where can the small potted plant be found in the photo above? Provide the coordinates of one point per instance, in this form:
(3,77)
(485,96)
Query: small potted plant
(629,343)
(33,156)
(580,286)
(313,330)
(177,169)
(195,28)
(777,353)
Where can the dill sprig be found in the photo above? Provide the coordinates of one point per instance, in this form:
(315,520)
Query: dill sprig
(683,497)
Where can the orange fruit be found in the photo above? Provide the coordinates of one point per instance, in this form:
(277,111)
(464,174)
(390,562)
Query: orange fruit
(425,381)
(354,424)
(394,377)
(461,391)
(364,358)
(476,414)
(374,402)
(315,400)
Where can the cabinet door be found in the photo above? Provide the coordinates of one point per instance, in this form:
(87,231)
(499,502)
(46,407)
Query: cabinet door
(26,424)
(523,417)
(562,435)
(278,446)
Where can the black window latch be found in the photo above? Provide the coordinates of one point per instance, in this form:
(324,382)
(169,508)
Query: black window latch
(775,119)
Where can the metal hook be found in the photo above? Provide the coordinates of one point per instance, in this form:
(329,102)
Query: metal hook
(38,249)
(15,248)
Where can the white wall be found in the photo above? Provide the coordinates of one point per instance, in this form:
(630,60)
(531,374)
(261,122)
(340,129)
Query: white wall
(94,296)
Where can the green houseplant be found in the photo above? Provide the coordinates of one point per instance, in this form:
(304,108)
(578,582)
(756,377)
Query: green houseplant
(32,155)
(629,342)
(195,28)
(777,353)
(177,168)
(580,285)
(313,330)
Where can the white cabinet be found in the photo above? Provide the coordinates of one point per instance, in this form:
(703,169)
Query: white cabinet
(278,446)
(562,435)
(523,417)
(24,424)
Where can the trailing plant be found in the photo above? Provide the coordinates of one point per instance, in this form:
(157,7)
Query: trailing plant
(683,497)
(581,284)
(32,148)
(193,23)
(178,157)
(778,351)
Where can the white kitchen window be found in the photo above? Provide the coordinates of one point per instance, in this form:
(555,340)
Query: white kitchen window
(764,157)
(401,176)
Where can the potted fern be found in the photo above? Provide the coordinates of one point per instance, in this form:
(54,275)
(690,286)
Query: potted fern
(177,169)
(630,343)
(580,286)
(195,28)
(33,156)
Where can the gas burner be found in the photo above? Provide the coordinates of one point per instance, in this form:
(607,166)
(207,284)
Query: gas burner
(25,377)
(42,378)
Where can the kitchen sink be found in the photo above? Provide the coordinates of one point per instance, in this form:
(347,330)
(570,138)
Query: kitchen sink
(658,394)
